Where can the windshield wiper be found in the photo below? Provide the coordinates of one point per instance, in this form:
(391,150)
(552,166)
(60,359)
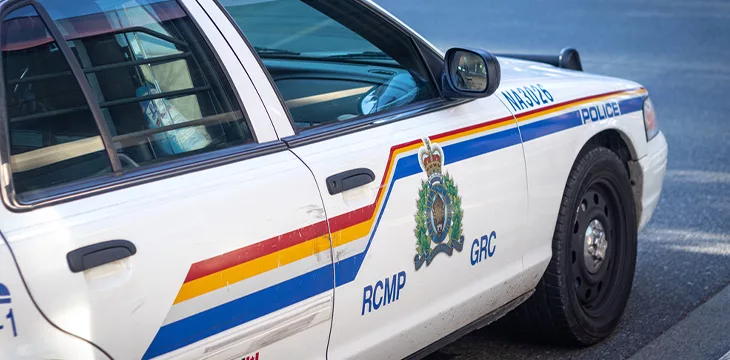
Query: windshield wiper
(270,51)
(362,55)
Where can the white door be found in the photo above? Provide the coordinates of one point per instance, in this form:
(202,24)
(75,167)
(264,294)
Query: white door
(424,196)
(151,211)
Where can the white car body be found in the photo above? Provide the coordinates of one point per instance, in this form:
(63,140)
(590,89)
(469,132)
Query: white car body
(254,259)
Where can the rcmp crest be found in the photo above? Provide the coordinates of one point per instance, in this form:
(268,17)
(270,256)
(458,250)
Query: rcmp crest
(439,213)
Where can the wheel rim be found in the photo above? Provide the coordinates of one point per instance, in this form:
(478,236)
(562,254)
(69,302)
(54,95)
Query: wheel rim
(596,242)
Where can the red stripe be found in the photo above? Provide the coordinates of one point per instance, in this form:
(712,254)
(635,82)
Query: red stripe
(452,132)
(348,219)
(248,253)
(573,101)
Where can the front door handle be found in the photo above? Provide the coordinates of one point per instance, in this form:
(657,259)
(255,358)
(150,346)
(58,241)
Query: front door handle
(99,254)
(349,179)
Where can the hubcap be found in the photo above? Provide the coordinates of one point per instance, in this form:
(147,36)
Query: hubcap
(593,263)
(594,249)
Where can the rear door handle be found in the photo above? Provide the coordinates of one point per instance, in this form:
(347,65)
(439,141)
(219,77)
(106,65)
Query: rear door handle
(349,179)
(99,254)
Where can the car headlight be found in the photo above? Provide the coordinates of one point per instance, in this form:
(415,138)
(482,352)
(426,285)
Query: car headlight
(650,124)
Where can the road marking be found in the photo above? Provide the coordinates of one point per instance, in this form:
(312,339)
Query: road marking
(726,356)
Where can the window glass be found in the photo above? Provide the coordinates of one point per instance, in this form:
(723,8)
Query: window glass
(161,92)
(332,60)
(53,136)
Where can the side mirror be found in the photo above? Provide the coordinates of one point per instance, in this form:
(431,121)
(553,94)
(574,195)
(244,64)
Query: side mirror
(470,73)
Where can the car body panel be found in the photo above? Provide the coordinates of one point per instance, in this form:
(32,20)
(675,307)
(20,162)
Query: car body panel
(24,332)
(174,289)
(654,168)
(550,158)
(373,228)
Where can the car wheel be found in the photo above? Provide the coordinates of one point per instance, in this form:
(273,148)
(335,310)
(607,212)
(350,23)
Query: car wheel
(583,293)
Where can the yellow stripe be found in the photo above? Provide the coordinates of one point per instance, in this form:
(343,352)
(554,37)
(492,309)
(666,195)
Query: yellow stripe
(476,131)
(252,268)
(352,233)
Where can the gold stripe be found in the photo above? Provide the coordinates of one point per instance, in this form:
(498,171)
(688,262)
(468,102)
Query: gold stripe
(251,268)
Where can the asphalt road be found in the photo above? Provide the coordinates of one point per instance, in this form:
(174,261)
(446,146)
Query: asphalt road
(679,50)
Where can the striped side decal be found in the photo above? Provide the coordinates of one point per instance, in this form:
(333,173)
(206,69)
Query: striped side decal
(210,275)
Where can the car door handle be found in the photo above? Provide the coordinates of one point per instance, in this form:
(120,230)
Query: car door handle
(349,179)
(99,254)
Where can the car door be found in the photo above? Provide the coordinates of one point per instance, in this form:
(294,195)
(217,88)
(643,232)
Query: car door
(424,196)
(149,204)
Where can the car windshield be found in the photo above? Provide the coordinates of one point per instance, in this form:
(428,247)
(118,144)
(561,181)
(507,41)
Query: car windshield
(281,28)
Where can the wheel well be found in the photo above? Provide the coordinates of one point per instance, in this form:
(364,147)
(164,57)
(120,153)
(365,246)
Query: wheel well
(616,142)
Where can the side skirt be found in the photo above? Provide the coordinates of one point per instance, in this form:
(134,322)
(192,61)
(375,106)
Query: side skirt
(474,325)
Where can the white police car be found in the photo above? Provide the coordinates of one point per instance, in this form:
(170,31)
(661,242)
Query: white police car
(274,179)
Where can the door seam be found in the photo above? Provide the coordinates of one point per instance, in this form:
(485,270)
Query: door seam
(332,252)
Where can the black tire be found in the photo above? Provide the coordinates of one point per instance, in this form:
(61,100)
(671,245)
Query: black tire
(582,304)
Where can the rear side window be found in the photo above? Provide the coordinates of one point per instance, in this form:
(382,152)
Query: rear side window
(153,83)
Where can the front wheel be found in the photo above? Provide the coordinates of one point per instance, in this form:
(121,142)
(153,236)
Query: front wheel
(584,290)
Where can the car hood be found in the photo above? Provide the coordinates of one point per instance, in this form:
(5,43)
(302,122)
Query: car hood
(569,84)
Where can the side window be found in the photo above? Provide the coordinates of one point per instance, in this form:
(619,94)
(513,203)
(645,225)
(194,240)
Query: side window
(332,60)
(53,136)
(161,93)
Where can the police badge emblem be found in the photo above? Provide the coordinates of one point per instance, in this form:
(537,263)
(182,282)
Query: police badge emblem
(439,213)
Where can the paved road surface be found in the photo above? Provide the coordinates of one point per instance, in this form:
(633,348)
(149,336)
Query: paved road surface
(680,50)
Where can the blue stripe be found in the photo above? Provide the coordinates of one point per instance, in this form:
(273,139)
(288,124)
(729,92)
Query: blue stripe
(226,316)
(630,105)
(5,300)
(550,125)
(231,314)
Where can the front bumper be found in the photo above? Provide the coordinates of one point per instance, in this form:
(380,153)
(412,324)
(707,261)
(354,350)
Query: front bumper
(653,167)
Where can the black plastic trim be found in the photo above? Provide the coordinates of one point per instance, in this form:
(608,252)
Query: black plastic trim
(40,77)
(568,59)
(78,72)
(49,113)
(348,180)
(154,60)
(90,256)
(169,94)
(421,47)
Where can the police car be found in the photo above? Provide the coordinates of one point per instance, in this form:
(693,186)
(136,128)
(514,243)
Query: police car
(276,179)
